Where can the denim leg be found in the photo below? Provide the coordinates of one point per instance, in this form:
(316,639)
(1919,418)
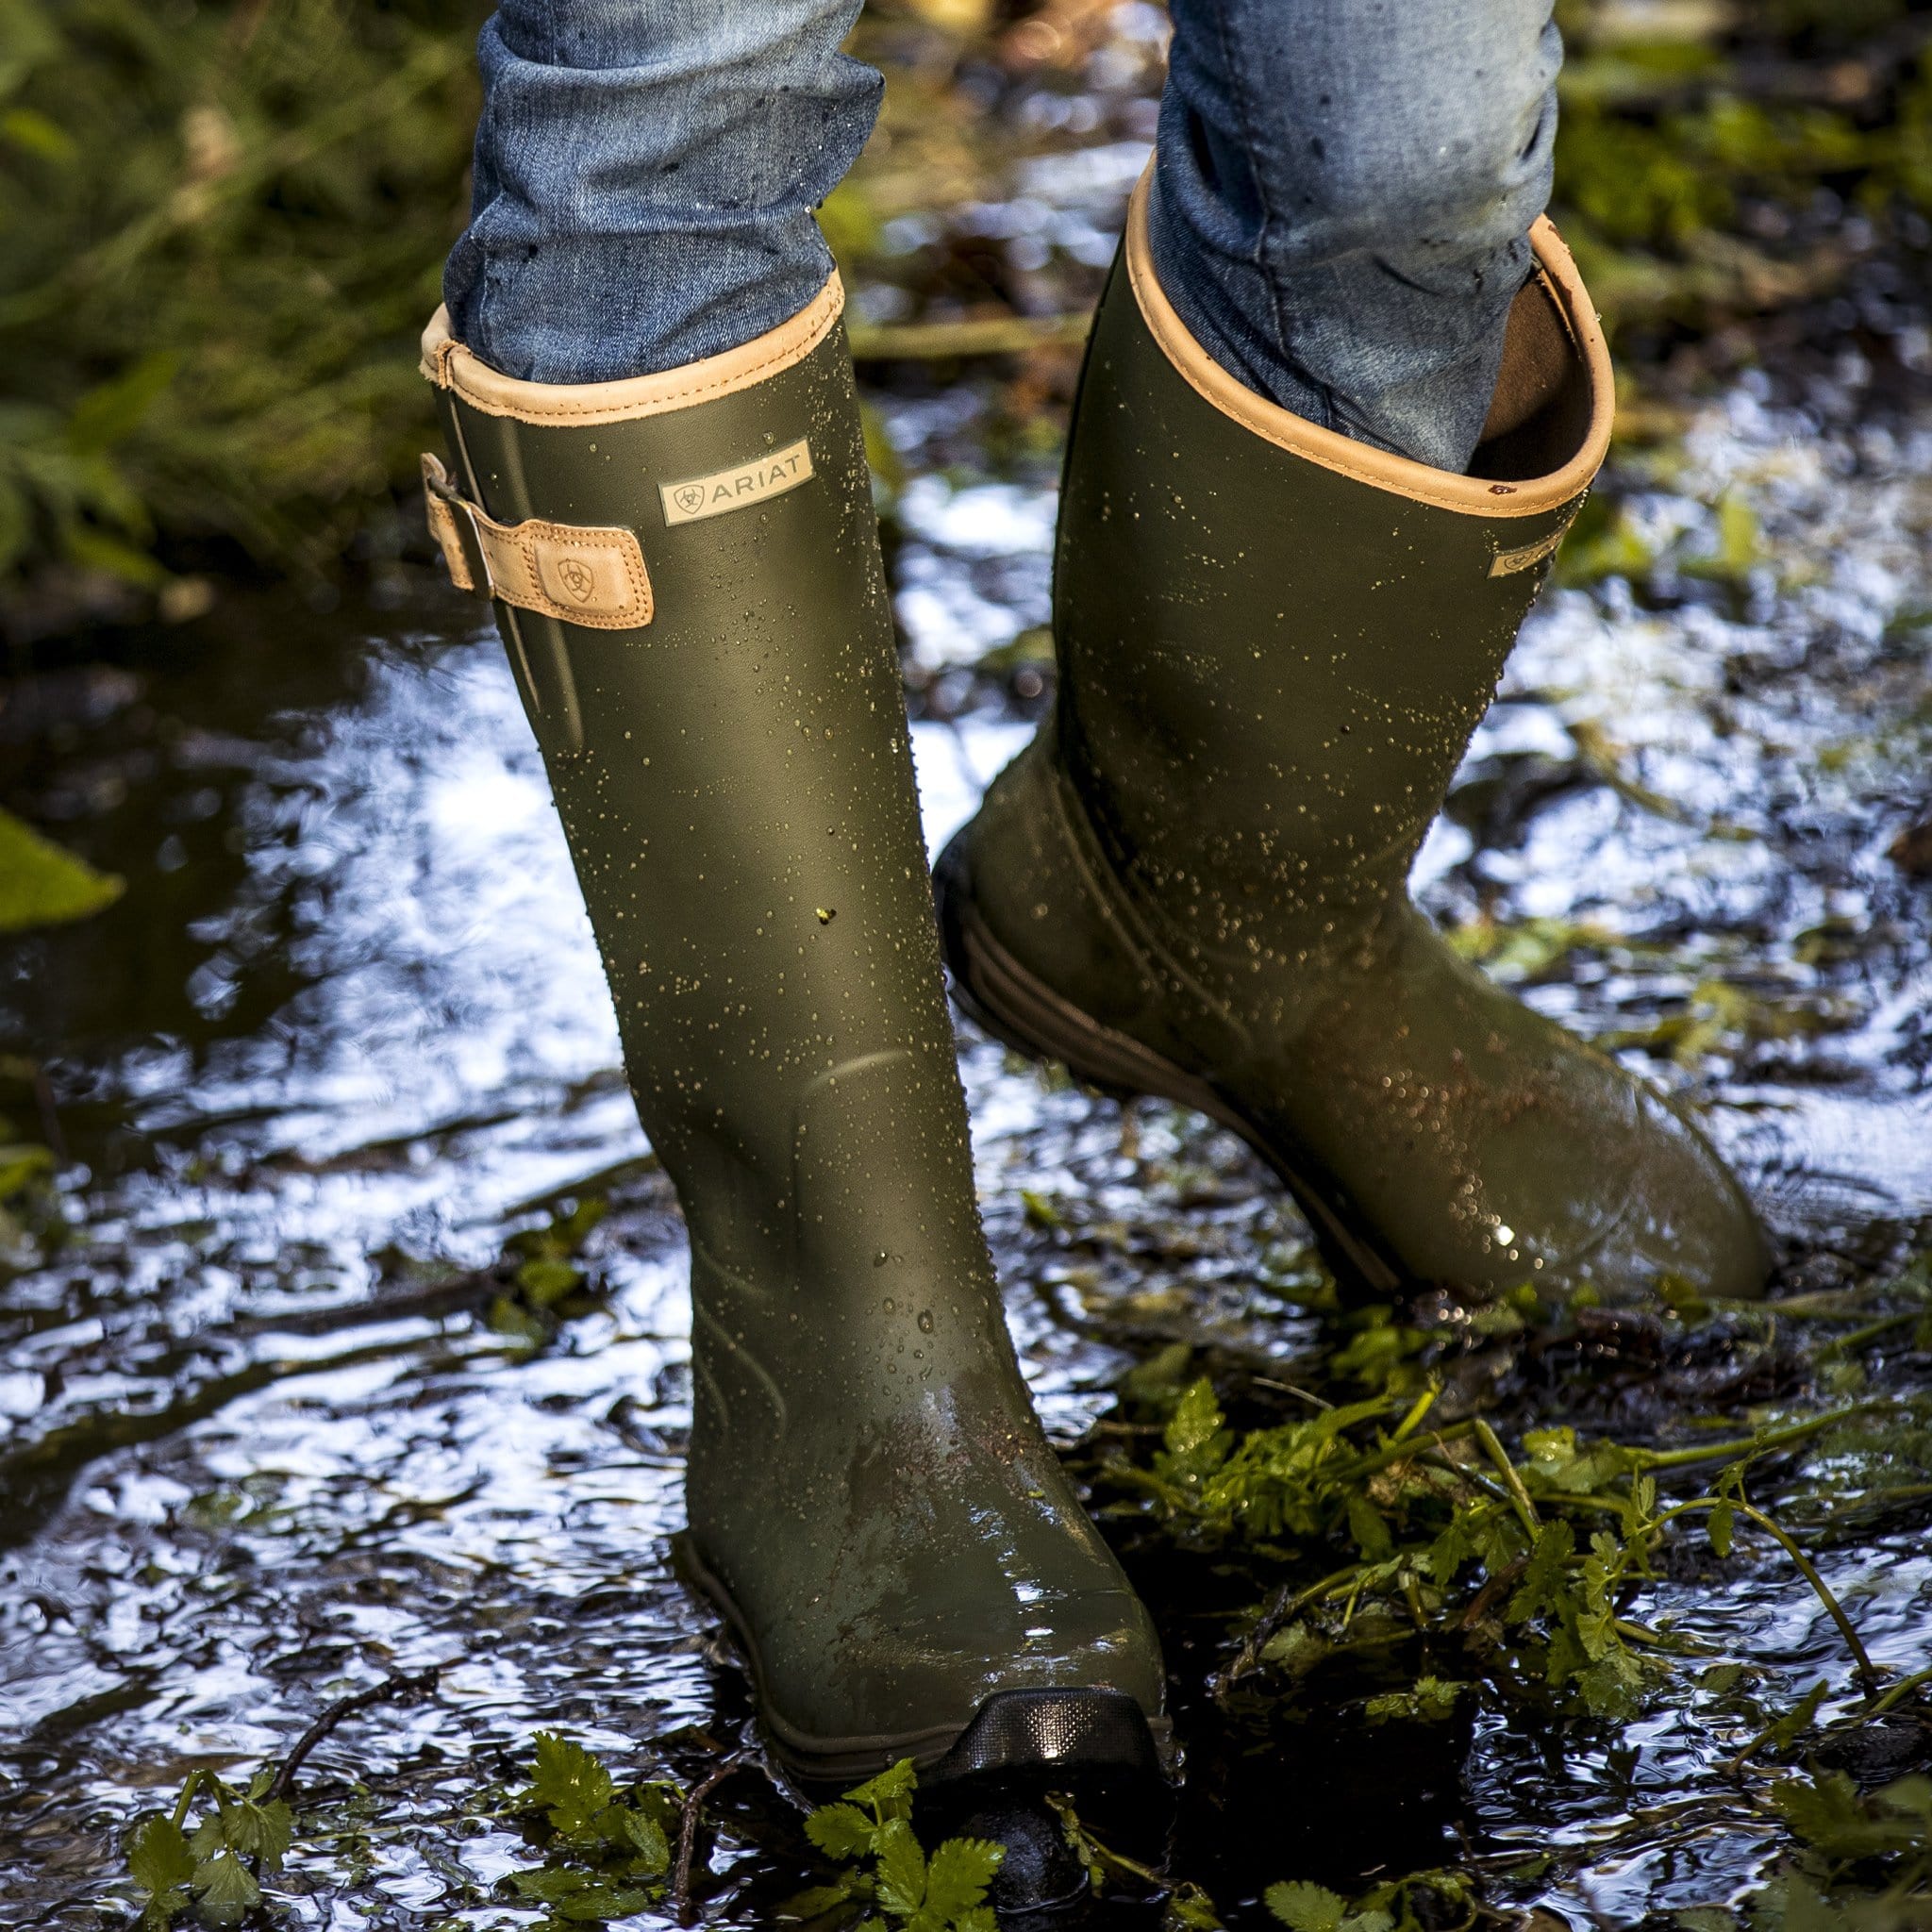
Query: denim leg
(1342,201)
(646,174)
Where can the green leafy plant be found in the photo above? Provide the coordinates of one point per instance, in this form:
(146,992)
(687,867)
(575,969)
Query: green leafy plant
(1417,1903)
(211,1867)
(1525,1569)
(889,1877)
(607,1849)
(1861,1863)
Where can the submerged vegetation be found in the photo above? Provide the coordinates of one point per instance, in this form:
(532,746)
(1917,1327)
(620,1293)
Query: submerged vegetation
(1387,1563)
(224,220)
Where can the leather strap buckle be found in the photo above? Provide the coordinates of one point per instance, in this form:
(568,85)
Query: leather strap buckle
(590,576)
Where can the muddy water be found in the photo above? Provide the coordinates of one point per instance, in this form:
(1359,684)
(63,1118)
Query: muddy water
(269,1438)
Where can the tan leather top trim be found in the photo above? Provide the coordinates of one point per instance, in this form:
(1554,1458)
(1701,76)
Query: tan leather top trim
(448,364)
(1471,496)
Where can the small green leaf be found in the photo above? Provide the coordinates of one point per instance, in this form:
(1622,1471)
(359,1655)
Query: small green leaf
(1304,1907)
(110,412)
(647,1838)
(1707,1918)
(1296,1650)
(567,1783)
(163,1866)
(597,1903)
(1190,1909)
(1719,1526)
(507,1317)
(1544,1588)
(546,1280)
(1041,1210)
(959,1872)
(1430,1701)
(33,133)
(94,549)
(1787,1731)
(1365,1525)
(255,1830)
(43,885)
(901,1869)
(891,1792)
(1194,1441)
(840,1831)
(1613,1686)
(1828,1813)
(821,1898)
(552,1884)
(224,1891)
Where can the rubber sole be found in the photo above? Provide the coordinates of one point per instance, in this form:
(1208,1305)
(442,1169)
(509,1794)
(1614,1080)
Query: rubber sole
(1061,1735)
(1020,1009)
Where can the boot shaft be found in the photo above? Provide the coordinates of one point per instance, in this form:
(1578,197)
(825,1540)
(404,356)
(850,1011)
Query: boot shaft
(702,637)
(1275,641)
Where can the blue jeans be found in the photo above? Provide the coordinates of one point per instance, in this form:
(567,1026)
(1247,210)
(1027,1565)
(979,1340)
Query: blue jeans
(1342,191)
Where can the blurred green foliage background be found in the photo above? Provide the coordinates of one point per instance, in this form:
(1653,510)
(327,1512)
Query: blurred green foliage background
(223,221)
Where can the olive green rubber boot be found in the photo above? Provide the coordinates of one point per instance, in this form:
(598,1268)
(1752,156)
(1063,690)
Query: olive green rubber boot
(685,573)
(1273,643)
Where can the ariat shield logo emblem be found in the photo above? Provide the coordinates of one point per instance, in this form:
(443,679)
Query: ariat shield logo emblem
(1507,562)
(738,487)
(575,577)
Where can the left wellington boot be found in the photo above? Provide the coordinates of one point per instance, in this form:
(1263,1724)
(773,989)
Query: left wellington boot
(1274,644)
(686,572)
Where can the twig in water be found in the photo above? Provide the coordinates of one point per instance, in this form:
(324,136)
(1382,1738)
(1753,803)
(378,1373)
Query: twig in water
(1288,1389)
(1896,1695)
(680,1900)
(1868,1674)
(391,1690)
(1287,1604)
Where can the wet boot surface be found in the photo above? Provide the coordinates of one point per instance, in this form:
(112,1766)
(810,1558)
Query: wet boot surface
(872,1505)
(1194,883)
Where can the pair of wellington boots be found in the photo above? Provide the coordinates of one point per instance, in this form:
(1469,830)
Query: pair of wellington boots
(1274,645)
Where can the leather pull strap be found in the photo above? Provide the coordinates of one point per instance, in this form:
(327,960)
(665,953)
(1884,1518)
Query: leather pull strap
(594,577)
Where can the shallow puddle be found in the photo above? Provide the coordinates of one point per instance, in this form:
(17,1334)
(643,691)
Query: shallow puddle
(273,1431)
(347,1031)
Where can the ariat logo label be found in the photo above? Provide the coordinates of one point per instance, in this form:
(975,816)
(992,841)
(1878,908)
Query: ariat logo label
(758,481)
(1508,562)
(576,578)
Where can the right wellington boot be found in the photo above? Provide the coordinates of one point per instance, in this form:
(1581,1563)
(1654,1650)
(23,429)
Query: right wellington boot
(1274,645)
(685,573)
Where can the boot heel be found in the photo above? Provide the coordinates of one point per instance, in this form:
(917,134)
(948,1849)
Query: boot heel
(1002,998)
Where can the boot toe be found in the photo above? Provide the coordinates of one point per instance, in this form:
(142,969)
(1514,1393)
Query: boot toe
(1683,1219)
(901,1669)
(1005,1680)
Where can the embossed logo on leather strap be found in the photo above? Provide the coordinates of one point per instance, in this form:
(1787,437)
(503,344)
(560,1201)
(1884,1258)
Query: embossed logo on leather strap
(739,487)
(590,575)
